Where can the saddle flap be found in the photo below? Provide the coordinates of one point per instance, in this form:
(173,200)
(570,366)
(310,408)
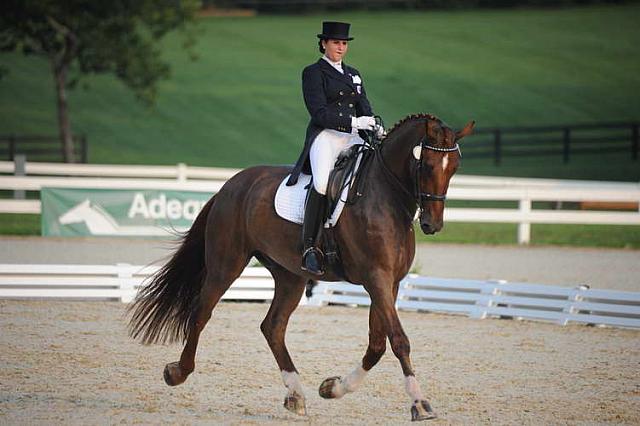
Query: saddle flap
(347,175)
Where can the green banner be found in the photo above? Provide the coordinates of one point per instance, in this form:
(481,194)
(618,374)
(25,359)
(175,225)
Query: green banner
(109,212)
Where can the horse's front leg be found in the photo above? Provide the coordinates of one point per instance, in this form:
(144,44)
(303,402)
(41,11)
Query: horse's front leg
(337,387)
(288,291)
(383,299)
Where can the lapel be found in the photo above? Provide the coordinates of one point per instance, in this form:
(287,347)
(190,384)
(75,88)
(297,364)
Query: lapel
(334,73)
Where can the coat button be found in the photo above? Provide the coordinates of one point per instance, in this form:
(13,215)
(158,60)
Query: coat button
(340,114)
(342,93)
(353,93)
(339,103)
(350,105)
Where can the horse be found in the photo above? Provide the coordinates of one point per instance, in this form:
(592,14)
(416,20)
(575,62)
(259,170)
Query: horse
(410,170)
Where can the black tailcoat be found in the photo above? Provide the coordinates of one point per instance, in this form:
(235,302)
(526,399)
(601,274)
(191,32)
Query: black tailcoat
(332,99)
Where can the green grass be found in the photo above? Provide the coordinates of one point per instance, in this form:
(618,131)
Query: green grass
(627,237)
(240,103)
(454,232)
(19,224)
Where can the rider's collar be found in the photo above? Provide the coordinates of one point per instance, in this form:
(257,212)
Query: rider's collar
(336,65)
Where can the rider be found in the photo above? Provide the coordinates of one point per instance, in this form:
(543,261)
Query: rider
(337,102)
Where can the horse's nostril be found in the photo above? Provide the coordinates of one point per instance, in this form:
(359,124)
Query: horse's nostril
(427,229)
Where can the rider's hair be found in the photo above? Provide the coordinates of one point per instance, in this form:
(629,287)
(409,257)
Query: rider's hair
(320,48)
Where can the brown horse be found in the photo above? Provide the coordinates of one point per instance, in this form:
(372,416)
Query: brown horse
(411,169)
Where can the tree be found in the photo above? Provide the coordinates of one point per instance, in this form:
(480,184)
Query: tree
(80,37)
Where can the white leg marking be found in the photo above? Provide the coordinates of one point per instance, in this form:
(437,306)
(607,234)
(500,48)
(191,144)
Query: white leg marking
(445,161)
(350,383)
(291,380)
(412,387)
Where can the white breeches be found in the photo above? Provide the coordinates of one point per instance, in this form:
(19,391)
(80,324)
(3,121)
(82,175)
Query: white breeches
(324,153)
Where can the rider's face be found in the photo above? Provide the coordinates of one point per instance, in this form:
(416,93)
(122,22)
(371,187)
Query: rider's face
(335,49)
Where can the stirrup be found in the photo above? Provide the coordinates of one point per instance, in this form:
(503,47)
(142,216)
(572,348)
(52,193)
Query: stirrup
(313,251)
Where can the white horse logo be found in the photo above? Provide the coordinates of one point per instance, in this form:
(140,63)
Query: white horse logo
(101,222)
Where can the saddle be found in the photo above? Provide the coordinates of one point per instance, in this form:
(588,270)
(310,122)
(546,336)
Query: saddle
(345,187)
(346,178)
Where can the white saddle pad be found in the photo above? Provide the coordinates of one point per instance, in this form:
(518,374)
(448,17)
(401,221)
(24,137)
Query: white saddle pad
(290,200)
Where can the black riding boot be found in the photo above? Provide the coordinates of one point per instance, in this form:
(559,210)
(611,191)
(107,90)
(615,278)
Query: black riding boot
(313,221)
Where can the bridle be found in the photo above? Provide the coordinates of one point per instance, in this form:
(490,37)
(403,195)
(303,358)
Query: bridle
(418,197)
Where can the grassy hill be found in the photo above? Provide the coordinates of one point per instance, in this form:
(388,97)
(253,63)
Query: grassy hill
(240,103)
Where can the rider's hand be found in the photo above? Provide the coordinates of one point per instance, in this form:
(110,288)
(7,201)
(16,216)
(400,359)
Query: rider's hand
(381,133)
(363,123)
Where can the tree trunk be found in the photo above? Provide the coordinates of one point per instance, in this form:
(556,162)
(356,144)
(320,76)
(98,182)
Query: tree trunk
(64,125)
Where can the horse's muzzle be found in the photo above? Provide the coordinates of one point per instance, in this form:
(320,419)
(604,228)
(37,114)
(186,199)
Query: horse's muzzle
(430,228)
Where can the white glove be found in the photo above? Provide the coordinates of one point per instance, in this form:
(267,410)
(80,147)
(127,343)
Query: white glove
(363,123)
(381,133)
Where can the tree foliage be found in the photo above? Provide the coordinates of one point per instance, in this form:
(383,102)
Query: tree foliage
(86,36)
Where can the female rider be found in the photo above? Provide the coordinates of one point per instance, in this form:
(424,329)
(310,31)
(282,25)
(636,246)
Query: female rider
(337,102)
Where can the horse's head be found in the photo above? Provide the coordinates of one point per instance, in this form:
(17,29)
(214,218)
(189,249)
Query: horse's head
(437,156)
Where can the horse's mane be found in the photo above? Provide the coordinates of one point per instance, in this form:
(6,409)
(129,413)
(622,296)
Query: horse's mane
(422,115)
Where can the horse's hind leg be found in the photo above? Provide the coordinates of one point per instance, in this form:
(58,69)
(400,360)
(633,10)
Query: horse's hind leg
(288,291)
(217,280)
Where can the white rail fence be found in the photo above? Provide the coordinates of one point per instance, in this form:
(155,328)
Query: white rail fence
(110,282)
(477,299)
(485,299)
(180,171)
(476,188)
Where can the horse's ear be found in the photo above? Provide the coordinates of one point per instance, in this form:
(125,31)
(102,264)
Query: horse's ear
(466,131)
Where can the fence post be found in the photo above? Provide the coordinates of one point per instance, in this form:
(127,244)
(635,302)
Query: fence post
(125,282)
(12,147)
(634,141)
(497,147)
(484,301)
(182,172)
(524,226)
(565,144)
(19,169)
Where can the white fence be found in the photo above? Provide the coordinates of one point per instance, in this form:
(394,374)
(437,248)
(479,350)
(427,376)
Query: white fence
(477,299)
(486,188)
(180,171)
(484,299)
(110,282)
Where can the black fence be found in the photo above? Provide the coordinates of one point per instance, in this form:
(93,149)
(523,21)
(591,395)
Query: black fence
(564,141)
(41,148)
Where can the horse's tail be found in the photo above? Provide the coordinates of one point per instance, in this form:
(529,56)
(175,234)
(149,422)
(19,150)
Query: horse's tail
(162,310)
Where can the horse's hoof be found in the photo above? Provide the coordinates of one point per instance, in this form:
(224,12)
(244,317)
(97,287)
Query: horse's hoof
(173,374)
(326,387)
(295,403)
(421,410)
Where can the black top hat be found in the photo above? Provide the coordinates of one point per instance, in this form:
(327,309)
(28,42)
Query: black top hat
(335,31)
